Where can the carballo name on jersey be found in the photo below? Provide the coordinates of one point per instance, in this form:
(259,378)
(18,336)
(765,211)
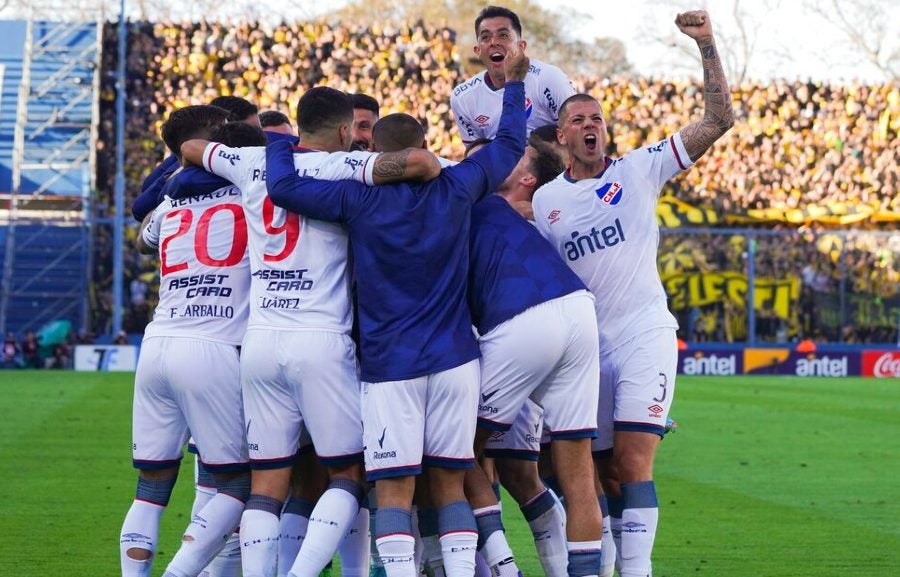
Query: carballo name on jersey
(259,174)
(285,280)
(202,285)
(207,311)
(595,240)
(221,193)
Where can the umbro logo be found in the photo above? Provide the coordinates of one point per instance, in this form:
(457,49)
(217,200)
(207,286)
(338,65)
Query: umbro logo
(482,120)
(553,216)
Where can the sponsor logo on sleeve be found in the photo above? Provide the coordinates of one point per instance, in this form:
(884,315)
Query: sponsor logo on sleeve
(466,126)
(658,148)
(551,102)
(230,157)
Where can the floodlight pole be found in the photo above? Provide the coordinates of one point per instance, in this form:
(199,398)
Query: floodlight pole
(119,215)
(751,289)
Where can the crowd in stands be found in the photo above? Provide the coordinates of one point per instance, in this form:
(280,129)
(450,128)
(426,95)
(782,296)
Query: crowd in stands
(794,144)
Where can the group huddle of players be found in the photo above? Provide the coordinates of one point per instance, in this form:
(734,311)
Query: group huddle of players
(506,299)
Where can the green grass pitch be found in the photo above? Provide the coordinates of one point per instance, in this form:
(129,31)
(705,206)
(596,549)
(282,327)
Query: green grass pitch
(766,476)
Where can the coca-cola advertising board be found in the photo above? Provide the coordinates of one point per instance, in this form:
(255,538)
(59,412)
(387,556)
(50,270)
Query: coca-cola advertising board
(881,364)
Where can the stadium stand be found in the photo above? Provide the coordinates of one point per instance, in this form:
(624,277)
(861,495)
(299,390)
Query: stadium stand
(48,106)
(805,162)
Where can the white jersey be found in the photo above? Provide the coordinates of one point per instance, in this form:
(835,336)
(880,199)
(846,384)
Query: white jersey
(605,229)
(477,106)
(205,270)
(298,265)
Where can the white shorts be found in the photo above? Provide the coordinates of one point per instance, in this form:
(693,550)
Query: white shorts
(428,420)
(296,378)
(548,353)
(523,440)
(187,386)
(637,384)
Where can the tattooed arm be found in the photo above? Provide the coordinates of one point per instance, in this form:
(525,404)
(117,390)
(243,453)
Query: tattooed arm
(718,115)
(408,164)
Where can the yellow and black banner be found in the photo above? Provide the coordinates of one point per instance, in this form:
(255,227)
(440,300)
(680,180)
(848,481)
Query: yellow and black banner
(672,212)
(690,289)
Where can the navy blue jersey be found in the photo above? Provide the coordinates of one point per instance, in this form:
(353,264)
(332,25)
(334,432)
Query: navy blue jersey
(410,249)
(151,188)
(511,266)
(192,181)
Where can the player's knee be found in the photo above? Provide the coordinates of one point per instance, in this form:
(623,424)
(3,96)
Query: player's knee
(520,478)
(158,474)
(235,485)
(633,466)
(157,491)
(353,472)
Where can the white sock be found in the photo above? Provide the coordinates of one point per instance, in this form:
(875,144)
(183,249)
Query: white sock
(640,514)
(291,532)
(330,520)
(637,542)
(560,506)
(206,535)
(202,495)
(615,527)
(609,549)
(482,569)
(549,531)
(499,556)
(458,550)
(140,530)
(354,549)
(228,562)
(492,542)
(259,543)
(397,554)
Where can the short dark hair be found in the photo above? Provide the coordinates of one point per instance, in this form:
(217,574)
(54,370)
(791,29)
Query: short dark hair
(498,12)
(476,143)
(239,109)
(545,133)
(397,131)
(322,107)
(365,102)
(580,97)
(198,121)
(237,134)
(273,118)
(546,165)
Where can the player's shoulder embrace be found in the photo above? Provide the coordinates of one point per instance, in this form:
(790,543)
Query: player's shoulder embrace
(468,85)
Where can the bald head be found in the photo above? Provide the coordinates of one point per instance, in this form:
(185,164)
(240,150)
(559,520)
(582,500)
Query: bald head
(398,131)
